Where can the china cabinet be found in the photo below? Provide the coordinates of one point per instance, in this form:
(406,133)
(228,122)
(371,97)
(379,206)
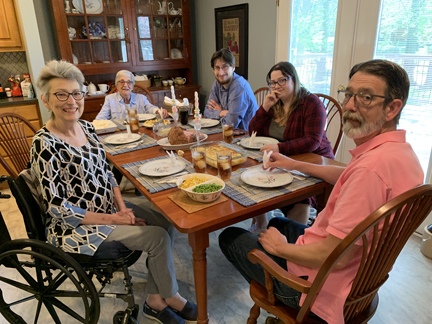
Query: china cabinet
(10,37)
(105,36)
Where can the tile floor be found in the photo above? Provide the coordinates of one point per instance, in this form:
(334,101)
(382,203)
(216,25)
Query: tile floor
(405,298)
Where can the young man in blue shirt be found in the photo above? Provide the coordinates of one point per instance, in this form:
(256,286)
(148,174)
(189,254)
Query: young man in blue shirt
(231,99)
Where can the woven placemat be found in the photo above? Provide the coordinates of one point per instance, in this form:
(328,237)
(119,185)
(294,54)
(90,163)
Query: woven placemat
(191,206)
(207,130)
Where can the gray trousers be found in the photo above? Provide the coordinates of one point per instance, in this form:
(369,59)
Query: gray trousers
(156,239)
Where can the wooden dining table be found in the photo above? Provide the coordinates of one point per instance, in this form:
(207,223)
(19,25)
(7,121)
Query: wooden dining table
(199,224)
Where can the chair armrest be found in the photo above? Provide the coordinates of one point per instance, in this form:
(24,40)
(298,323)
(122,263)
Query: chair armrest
(299,284)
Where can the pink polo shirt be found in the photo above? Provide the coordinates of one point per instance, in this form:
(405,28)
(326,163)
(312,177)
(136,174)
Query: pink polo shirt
(380,169)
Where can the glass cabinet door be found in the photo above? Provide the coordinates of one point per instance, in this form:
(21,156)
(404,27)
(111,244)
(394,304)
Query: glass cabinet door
(96,31)
(159,29)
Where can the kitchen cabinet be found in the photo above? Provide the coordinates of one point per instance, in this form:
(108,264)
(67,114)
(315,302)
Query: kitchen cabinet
(10,37)
(105,36)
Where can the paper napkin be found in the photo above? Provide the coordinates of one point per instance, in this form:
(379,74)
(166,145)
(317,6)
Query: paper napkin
(266,158)
(252,138)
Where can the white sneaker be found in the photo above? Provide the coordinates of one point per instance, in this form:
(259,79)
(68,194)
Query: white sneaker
(254,229)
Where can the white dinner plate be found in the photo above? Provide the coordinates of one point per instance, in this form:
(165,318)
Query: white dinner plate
(92,6)
(159,168)
(122,138)
(143,117)
(259,142)
(205,122)
(259,178)
(167,146)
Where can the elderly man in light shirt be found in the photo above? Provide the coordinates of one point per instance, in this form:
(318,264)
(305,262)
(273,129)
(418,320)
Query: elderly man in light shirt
(115,103)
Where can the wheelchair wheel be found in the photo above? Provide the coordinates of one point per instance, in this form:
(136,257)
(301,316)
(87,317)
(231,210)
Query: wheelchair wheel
(44,285)
(119,316)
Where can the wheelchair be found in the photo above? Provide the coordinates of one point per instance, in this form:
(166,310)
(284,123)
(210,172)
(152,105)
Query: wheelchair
(50,283)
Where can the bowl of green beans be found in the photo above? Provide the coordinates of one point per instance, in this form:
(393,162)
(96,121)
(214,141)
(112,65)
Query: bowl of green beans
(201,187)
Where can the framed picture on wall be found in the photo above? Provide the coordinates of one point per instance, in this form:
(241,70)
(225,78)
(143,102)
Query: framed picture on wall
(232,25)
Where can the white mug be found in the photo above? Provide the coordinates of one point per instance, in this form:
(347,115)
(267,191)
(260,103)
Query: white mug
(103,87)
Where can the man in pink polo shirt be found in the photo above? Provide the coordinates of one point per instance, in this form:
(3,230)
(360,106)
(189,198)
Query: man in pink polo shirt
(382,167)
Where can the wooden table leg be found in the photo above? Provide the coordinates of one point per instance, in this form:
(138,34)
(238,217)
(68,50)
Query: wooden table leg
(199,242)
(322,199)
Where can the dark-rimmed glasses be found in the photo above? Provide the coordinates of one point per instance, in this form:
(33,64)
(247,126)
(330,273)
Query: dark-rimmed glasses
(364,98)
(64,96)
(281,82)
(224,67)
(129,83)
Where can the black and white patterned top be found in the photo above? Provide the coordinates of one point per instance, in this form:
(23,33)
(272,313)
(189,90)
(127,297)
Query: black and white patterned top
(73,180)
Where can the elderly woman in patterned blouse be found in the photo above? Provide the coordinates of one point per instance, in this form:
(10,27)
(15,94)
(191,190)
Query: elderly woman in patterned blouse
(88,214)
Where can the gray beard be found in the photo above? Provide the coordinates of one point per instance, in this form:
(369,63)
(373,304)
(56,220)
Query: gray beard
(365,129)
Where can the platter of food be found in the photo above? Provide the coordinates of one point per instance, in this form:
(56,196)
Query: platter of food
(104,126)
(150,123)
(179,139)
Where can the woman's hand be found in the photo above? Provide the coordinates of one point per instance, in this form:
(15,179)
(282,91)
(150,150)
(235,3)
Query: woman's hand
(270,100)
(164,113)
(271,239)
(270,147)
(127,217)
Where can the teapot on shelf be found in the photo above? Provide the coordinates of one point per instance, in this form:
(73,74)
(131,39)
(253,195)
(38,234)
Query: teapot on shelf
(162,7)
(91,89)
(179,80)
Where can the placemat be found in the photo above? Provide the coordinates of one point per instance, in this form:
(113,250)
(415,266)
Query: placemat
(118,149)
(149,182)
(248,195)
(208,130)
(256,155)
(191,206)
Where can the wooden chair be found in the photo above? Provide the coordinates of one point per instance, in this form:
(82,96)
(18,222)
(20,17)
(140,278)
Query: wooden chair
(137,89)
(390,226)
(334,113)
(14,131)
(260,94)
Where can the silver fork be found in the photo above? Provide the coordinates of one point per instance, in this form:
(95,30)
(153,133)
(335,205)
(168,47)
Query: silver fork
(126,146)
(238,183)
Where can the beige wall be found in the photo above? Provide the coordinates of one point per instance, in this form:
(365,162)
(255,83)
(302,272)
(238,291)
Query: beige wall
(262,38)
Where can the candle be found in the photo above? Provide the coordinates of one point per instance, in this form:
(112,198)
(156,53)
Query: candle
(172,93)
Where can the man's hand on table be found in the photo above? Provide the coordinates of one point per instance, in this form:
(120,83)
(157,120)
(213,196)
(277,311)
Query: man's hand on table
(278,160)
(271,239)
(213,105)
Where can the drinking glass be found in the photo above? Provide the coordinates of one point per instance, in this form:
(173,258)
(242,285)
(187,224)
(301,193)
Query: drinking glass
(228,133)
(184,115)
(199,159)
(133,120)
(224,164)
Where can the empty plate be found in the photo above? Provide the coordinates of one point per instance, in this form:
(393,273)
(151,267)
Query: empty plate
(259,178)
(163,167)
(259,142)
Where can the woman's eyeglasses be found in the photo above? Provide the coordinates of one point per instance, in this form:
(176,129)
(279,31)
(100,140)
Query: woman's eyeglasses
(281,82)
(64,96)
(125,82)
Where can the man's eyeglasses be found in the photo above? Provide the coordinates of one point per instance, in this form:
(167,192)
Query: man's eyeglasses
(64,96)
(224,67)
(281,82)
(364,99)
(125,82)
